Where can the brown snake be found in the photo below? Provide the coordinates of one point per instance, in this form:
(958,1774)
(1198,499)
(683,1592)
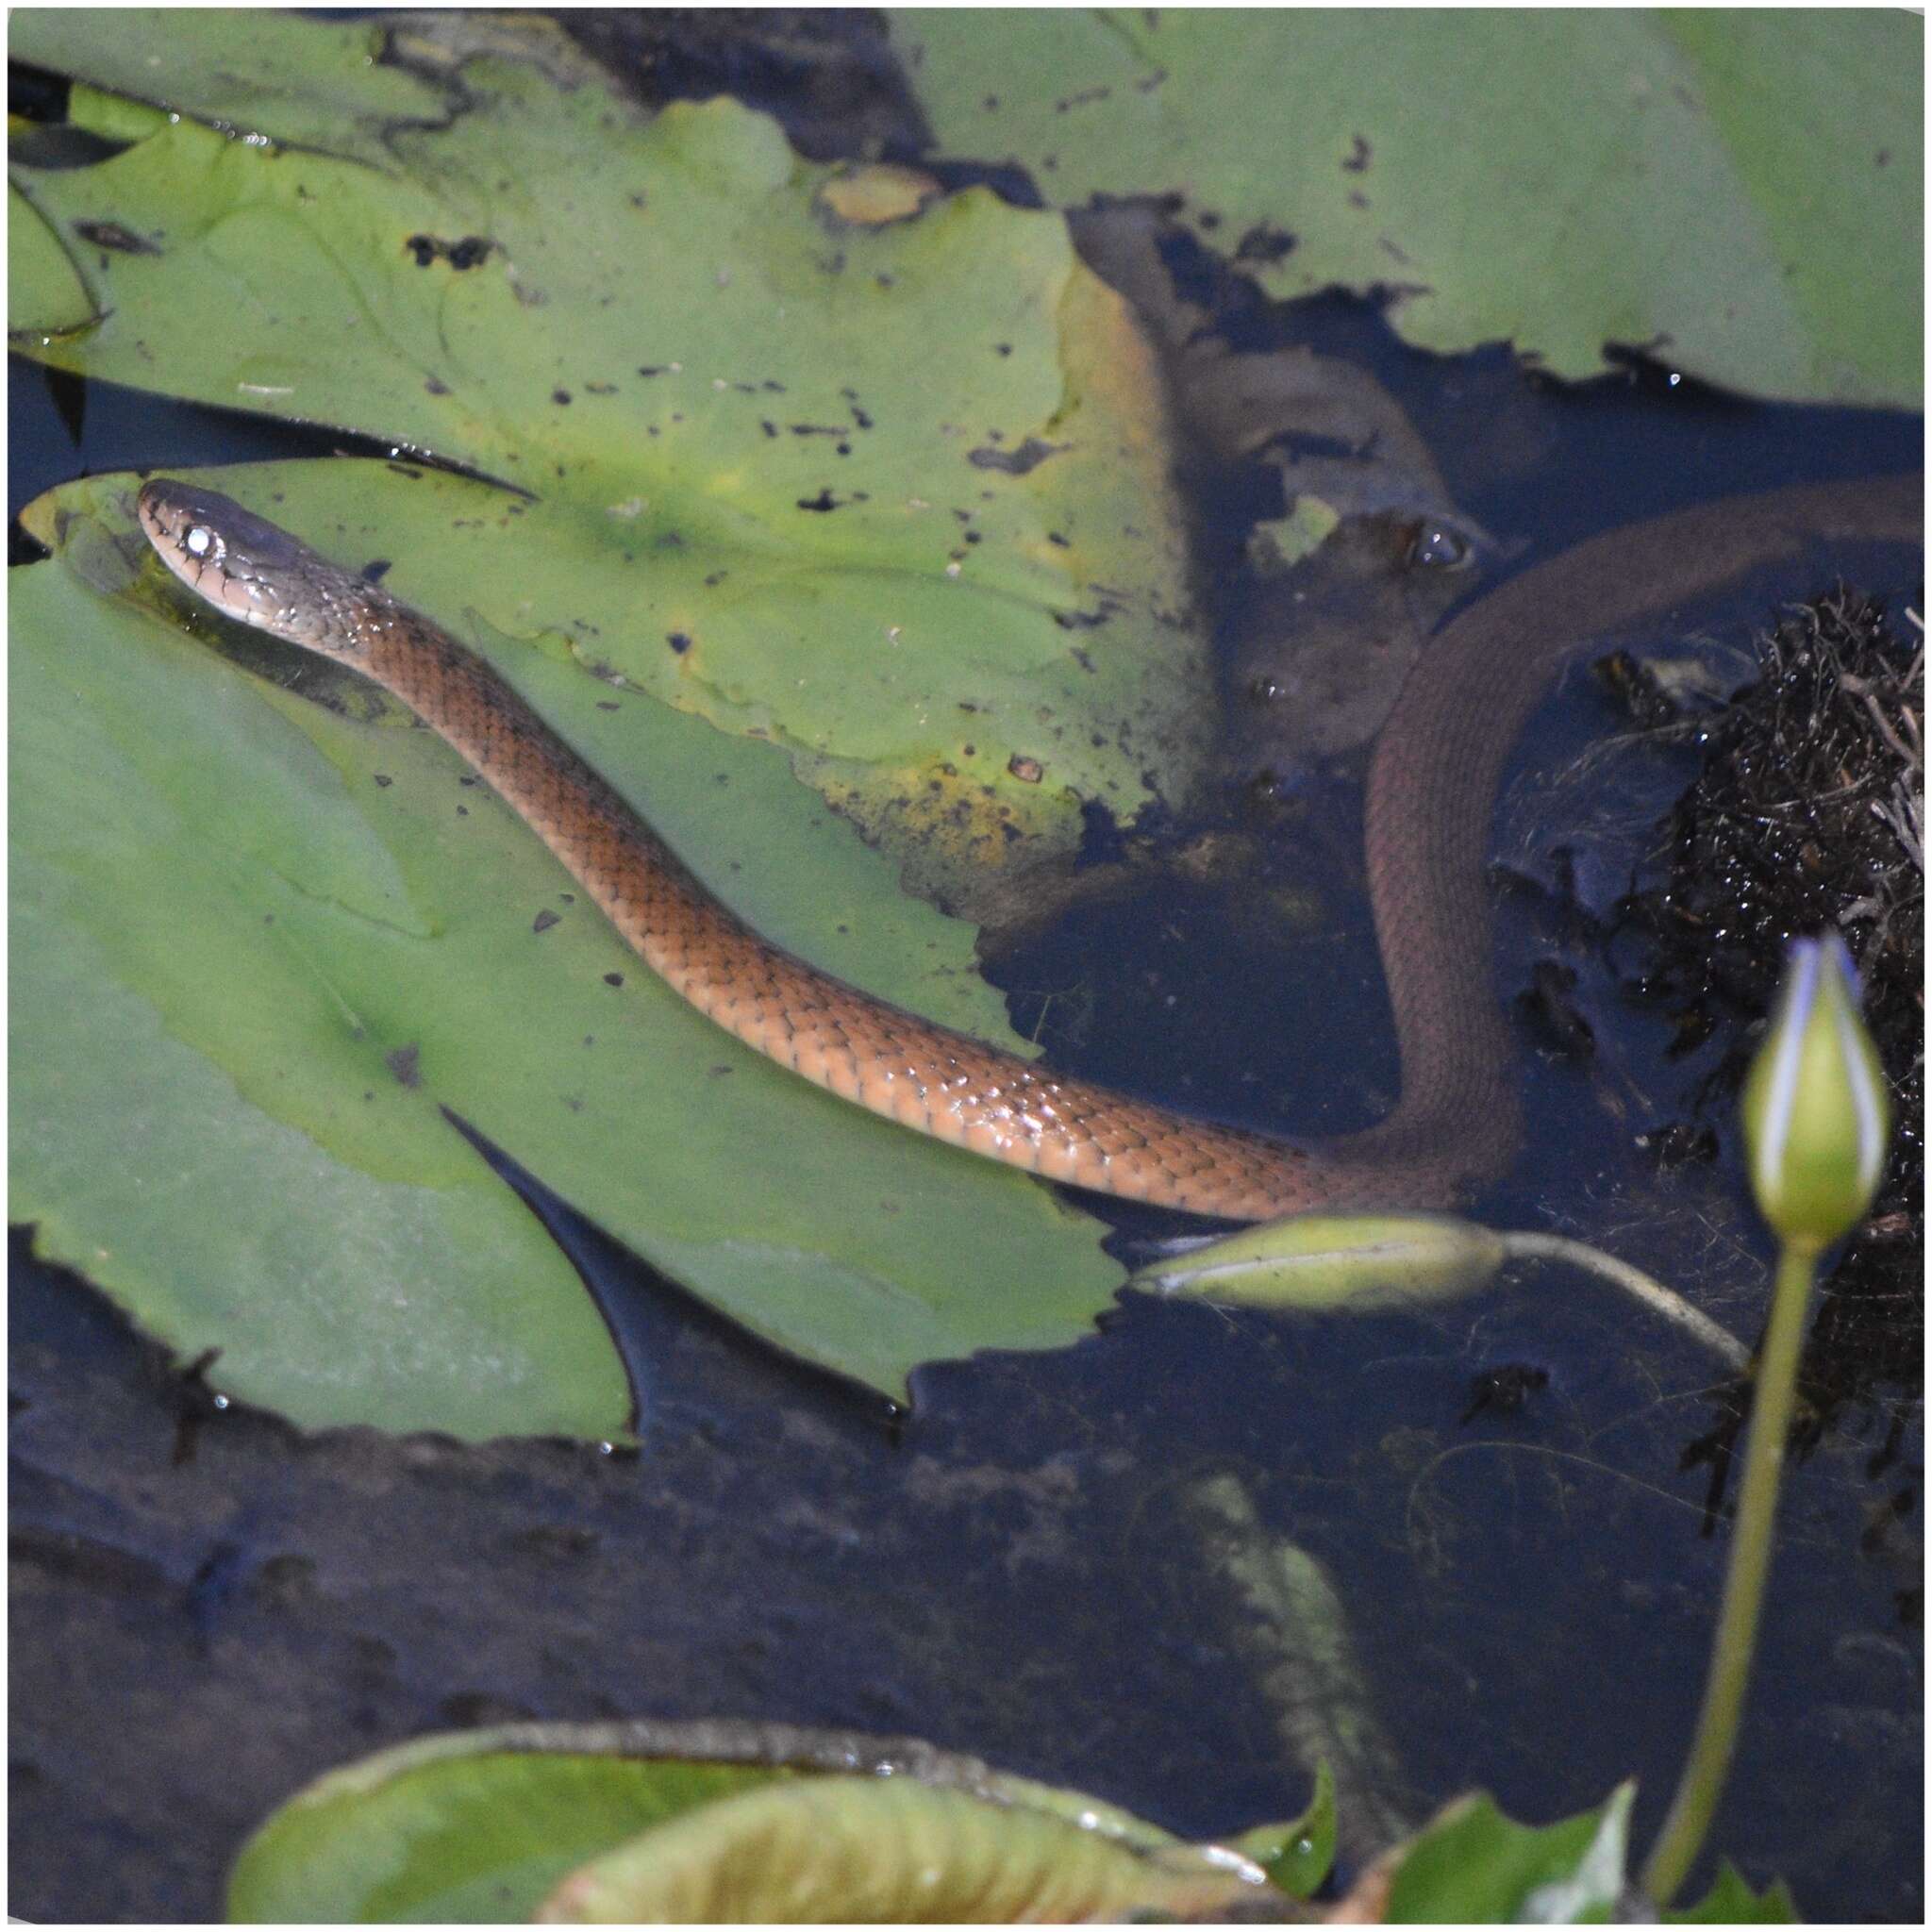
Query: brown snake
(1435,772)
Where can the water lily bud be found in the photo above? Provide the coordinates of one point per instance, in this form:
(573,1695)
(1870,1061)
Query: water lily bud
(1332,1261)
(1816,1116)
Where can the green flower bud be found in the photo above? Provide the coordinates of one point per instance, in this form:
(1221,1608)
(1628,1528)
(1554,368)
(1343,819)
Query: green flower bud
(1332,1261)
(1816,1116)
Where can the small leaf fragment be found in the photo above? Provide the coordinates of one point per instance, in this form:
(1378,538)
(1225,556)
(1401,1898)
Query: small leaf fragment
(1731,1902)
(1297,1855)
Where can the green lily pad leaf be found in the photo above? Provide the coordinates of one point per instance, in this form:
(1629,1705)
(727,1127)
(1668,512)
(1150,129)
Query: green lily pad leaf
(470,1827)
(485,1825)
(896,497)
(267,931)
(45,293)
(1298,1856)
(1742,188)
(266,74)
(672,351)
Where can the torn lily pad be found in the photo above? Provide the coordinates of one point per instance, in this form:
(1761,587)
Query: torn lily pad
(743,438)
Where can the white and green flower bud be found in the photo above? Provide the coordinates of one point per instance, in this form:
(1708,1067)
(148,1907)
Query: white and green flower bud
(1334,1262)
(1816,1116)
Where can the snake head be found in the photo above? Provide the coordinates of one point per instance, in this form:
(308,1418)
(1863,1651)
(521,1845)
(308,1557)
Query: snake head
(245,566)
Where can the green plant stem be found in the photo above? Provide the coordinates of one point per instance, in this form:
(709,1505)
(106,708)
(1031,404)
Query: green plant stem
(1653,1293)
(1702,1779)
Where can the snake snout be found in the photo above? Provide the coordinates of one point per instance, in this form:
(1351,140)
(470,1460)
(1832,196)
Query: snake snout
(239,562)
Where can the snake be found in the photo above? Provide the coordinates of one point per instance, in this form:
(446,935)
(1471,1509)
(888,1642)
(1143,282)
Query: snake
(1431,787)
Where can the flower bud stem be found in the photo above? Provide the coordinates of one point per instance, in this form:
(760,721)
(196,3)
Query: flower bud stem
(1653,1294)
(1702,1779)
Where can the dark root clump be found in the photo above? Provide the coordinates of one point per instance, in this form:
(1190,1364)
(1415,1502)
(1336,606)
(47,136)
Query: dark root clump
(1809,817)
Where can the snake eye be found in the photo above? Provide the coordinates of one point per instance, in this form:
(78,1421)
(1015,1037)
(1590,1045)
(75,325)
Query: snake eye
(203,543)
(1265,690)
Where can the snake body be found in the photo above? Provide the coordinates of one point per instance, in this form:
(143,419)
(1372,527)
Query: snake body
(1430,789)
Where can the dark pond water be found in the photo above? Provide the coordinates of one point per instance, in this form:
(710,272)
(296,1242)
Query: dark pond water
(209,1608)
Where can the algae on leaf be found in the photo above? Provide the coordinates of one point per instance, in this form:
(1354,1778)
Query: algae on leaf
(1740,191)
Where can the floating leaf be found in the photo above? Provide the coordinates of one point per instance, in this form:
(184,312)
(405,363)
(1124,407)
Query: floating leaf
(312,84)
(846,1849)
(891,522)
(477,1827)
(848,490)
(485,1825)
(1741,190)
(47,292)
(262,942)
(1472,1865)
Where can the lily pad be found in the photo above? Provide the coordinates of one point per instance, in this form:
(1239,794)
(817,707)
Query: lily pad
(1740,191)
(884,503)
(313,83)
(723,1820)
(265,935)
(37,260)
(711,1819)
(842,1850)
(893,495)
